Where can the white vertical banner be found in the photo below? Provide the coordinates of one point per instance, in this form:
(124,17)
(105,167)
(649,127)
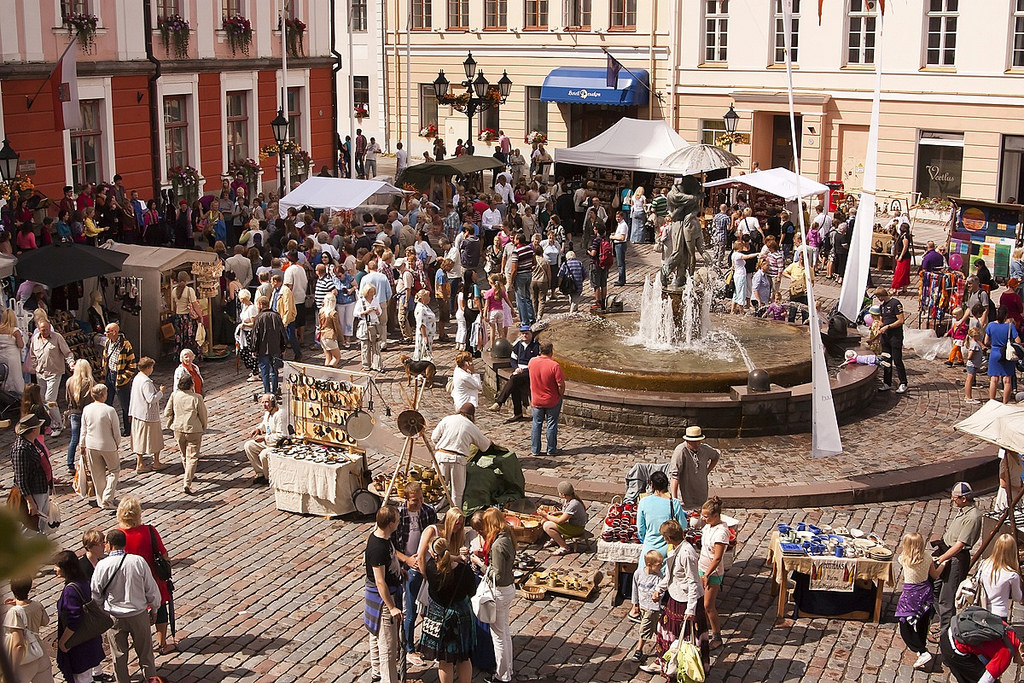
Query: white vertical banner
(825,438)
(855,279)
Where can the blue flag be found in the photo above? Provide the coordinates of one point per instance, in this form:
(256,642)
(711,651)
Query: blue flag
(612,74)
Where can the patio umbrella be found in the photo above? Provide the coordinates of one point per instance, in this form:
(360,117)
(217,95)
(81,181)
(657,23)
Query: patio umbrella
(64,262)
(700,159)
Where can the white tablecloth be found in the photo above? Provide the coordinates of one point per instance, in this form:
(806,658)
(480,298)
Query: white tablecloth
(613,551)
(313,488)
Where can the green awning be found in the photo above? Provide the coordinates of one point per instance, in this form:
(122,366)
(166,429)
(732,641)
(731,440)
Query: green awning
(419,175)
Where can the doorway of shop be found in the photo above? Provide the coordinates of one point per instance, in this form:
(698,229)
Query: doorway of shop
(782,141)
(587,121)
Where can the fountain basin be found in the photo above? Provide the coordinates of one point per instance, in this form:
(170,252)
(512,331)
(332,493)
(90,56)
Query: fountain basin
(600,352)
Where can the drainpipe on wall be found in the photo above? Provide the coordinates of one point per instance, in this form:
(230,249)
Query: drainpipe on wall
(676,47)
(154,99)
(335,68)
(650,95)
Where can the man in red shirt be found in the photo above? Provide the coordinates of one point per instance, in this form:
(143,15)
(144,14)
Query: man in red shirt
(547,387)
(982,662)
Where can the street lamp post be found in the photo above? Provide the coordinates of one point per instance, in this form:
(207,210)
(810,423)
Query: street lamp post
(480,95)
(731,118)
(8,162)
(280,127)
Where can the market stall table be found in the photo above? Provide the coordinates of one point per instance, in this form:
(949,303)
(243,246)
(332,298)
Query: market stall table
(877,571)
(314,488)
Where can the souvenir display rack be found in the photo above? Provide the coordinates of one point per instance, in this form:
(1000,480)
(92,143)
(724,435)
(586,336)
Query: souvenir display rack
(81,343)
(319,408)
(938,295)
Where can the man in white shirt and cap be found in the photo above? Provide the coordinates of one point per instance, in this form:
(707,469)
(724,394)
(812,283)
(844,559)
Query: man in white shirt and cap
(453,438)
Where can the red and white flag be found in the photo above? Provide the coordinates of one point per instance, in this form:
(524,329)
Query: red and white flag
(64,84)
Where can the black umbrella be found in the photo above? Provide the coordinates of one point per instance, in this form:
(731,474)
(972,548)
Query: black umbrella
(64,262)
(170,610)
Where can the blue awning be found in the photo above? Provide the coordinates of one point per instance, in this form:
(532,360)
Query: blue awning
(588,85)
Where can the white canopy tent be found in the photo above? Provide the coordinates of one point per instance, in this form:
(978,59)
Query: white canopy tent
(630,144)
(335,194)
(778,181)
(997,423)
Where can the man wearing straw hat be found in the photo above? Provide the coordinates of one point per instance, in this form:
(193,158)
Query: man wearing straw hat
(692,462)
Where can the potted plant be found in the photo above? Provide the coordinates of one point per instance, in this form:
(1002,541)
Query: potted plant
(239,32)
(361,112)
(185,181)
(174,33)
(83,26)
(299,162)
(487,135)
(294,29)
(428,131)
(249,168)
(536,137)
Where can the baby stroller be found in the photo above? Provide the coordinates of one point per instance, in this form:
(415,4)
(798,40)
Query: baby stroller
(10,403)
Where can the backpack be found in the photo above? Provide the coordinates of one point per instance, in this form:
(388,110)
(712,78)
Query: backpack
(469,252)
(975,625)
(605,254)
(567,284)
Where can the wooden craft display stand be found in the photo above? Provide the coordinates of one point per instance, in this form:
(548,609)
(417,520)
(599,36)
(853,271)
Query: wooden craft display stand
(317,419)
(583,593)
(405,459)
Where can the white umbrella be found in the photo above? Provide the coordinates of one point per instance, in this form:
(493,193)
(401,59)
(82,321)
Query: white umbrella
(700,159)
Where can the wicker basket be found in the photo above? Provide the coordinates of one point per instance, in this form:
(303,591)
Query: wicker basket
(525,535)
(531,592)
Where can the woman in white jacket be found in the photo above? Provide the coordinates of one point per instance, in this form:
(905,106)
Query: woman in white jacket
(685,602)
(466,383)
(144,409)
(101,438)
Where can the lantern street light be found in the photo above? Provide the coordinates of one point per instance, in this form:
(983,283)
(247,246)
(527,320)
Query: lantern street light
(731,119)
(8,162)
(280,127)
(480,95)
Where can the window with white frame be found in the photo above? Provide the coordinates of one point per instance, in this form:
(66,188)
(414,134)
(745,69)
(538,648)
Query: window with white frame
(780,32)
(294,115)
(361,92)
(230,8)
(577,14)
(716,30)
(176,131)
(237,106)
(536,110)
(710,129)
(428,105)
(358,15)
(940,162)
(86,143)
(458,14)
(942,19)
(168,8)
(860,38)
(69,7)
(1017,48)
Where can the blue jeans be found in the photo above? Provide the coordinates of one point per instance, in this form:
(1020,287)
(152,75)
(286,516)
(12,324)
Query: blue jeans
(75,419)
(268,373)
(620,260)
(293,339)
(124,396)
(549,418)
(412,589)
(523,302)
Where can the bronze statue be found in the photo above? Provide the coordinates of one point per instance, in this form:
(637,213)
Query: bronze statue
(683,238)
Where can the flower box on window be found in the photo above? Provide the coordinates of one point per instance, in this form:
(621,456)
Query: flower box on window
(83,26)
(536,137)
(185,182)
(174,34)
(361,112)
(429,131)
(487,135)
(294,29)
(248,168)
(239,33)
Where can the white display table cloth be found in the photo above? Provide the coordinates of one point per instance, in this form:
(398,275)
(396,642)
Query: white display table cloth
(313,488)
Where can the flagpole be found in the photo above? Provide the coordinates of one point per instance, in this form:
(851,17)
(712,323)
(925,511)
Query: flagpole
(32,100)
(825,439)
(626,69)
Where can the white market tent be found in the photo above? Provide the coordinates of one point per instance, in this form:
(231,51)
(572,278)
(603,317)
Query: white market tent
(997,423)
(334,193)
(630,144)
(778,181)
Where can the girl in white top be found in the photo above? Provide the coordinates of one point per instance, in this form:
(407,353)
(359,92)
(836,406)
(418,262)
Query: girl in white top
(714,541)
(426,327)
(1000,577)
(466,383)
(915,607)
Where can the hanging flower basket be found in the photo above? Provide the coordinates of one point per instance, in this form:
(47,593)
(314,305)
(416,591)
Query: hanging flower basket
(83,26)
(428,131)
(185,181)
(174,35)
(239,32)
(272,150)
(724,139)
(536,137)
(294,29)
(249,168)
(20,185)
(487,135)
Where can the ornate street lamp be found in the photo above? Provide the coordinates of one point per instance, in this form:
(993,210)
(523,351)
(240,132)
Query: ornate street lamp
(8,162)
(731,119)
(280,127)
(479,96)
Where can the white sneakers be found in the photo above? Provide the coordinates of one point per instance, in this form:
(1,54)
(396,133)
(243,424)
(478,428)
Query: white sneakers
(901,389)
(923,660)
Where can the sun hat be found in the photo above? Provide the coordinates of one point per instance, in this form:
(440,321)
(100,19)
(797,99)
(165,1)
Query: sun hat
(875,310)
(693,434)
(27,424)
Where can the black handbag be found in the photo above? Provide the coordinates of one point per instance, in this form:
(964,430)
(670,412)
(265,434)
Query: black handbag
(160,564)
(94,622)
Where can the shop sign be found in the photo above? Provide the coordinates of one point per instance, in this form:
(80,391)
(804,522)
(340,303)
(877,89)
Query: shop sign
(833,574)
(583,94)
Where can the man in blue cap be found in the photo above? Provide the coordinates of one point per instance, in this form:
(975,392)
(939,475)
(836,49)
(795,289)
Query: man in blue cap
(518,384)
